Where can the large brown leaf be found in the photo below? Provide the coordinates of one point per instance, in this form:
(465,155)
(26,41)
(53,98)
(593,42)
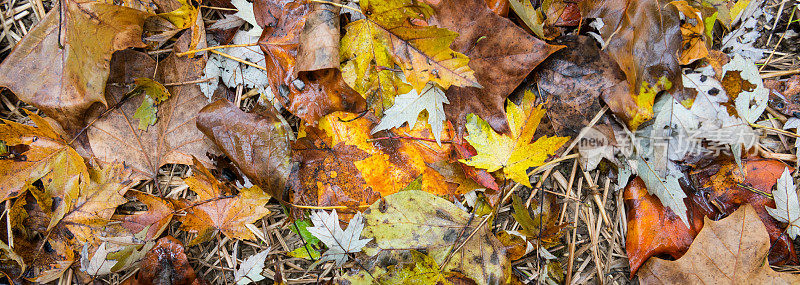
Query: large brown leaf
(174,138)
(257,144)
(644,37)
(64,76)
(500,53)
(730,251)
(319,40)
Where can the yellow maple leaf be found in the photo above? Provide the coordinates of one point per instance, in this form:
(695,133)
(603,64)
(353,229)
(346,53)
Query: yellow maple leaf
(373,46)
(515,153)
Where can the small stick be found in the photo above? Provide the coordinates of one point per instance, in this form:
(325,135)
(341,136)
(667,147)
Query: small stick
(238,59)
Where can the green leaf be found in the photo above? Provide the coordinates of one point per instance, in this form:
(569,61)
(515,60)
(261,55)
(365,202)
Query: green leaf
(304,233)
(146,113)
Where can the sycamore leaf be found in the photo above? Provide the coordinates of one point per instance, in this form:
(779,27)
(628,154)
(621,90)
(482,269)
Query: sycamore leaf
(373,46)
(339,242)
(532,18)
(407,108)
(153,221)
(216,209)
(730,251)
(250,270)
(408,267)
(33,152)
(787,209)
(514,154)
(77,65)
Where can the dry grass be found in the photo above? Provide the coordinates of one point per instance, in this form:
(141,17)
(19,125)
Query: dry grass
(592,249)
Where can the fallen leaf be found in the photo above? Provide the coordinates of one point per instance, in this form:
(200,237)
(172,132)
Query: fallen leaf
(319,40)
(730,251)
(513,154)
(257,143)
(745,88)
(783,95)
(282,22)
(643,37)
(410,267)
(217,209)
(250,269)
(572,82)
(75,77)
(501,54)
(173,139)
(32,153)
(387,37)
(154,220)
(324,92)
(408,107)
(166,263)
(96,264)
(394,224)
(787,209)
(499,7)
(154,93)
(339,242)
(693,45)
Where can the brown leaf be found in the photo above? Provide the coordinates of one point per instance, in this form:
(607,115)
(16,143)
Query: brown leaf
(319,40)
(166,264)
(644,38)
(65,82)
(727,187)
(174,138)
(325,92)
(216,208)
(501,54)
(693,45)
(257,144)
(155,219)
(731,251)
(572,82)
(282,20)
(784,95)
(499,7)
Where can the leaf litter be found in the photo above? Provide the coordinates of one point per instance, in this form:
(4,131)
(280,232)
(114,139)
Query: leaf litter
(398,142)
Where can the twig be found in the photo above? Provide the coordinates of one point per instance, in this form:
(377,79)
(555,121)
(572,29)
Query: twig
(337,5)
(238,59)
(215,47)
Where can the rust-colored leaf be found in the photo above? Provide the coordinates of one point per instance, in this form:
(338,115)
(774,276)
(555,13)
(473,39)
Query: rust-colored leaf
(730,251)
(319,40)
(693,45)
(324,92)
(155,219)
(166,264)
(174,138)
(257,143)
(501,54)
(216,208)
(282,20)
(65,82)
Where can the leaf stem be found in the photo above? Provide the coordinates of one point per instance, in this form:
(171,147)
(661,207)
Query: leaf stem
(215,47)
(405,138)
(337,5)
(238,59)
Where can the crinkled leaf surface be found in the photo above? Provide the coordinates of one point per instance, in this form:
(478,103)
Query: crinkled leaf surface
(65,82)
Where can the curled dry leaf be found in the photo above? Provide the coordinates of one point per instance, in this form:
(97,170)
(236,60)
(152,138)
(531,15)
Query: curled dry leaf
(217,209)
(319,40)
(74,77)
(572,82)
(501,54)
(257,143)
(644,38)
(166,264)
(394,223)
(730,251)
(174,138)
(32,153)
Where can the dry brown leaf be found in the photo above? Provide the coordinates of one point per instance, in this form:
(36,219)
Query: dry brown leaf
(730,251)
(217,209)
(500,53)
(174,138)
(65,82)
(257,144)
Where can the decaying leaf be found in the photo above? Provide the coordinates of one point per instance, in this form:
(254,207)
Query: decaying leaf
(319,40)
(373,46)
(730,251)
(282,21)
(693,46)
(257,143)
(516,153)
(394,224)
(154,220)
(74,77)
(166,263)
(745,88)
(787,209)
(411,267)
(174,138)
(501,54)
(33,152)
(216,208)
(339,242)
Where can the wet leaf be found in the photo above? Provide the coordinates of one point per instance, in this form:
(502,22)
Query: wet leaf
(516,153)
(339,242)
(745,88)
(257,143)
(319,40)
(32,153)
(282,22)
(173,139)
(166,262)
(216,208)
(153,221)
(787,209)
(412,267)
(250,270)
(693,45)
(408,107)
(394,224)
(75,76)
(501,54)
(730,251)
